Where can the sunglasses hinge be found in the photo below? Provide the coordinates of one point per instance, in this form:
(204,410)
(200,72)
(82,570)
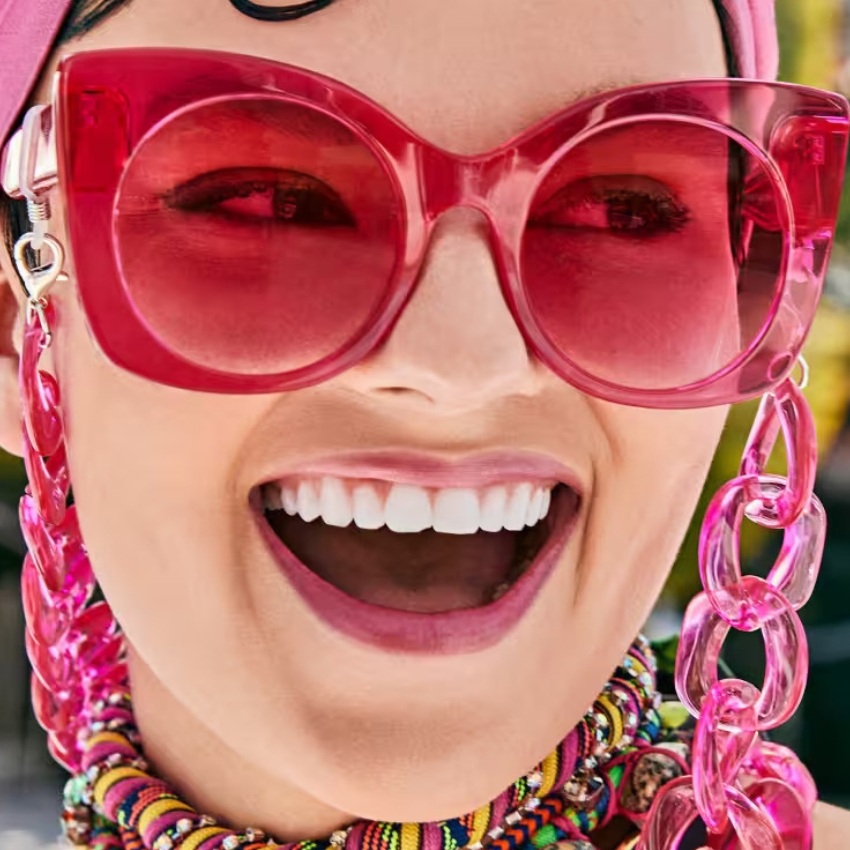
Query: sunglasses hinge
(28,168)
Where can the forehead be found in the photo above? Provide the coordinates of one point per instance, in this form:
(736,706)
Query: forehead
(466,74)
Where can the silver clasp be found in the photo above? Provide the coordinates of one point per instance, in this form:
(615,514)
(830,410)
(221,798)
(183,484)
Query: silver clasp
(39,279)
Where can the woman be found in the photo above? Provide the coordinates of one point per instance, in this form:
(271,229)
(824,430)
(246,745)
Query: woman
(378,500)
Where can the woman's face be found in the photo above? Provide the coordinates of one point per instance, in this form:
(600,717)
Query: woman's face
(230,663)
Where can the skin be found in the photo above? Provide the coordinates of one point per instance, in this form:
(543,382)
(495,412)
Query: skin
(253,708)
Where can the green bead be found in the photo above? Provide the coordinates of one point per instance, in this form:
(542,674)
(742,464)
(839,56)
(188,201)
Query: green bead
(673,715)
(616,775)
(74,790)
(545,836)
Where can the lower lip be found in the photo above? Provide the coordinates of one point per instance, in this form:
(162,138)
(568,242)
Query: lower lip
(447,633)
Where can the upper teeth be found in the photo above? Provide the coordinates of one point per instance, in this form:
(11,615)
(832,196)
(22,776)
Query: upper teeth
(408,508)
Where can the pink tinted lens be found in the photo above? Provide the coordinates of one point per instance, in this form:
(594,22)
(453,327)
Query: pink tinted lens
(255,234)
(653,253)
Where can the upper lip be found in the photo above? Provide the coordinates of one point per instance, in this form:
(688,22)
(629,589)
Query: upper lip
(427,470)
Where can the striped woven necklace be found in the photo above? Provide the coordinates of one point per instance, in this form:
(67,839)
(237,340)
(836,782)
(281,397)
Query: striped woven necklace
(115,803)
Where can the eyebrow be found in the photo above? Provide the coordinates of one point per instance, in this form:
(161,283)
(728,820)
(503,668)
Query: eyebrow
(602,88)
(677,100)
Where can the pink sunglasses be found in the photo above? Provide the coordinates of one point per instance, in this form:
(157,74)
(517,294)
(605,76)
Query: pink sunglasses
(243,226)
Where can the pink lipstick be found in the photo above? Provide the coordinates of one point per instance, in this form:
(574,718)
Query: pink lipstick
(423,592)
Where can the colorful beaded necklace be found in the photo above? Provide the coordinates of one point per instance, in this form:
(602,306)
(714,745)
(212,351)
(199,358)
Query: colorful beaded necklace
(624,748)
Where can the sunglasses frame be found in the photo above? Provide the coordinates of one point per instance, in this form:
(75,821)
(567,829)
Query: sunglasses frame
(105,103)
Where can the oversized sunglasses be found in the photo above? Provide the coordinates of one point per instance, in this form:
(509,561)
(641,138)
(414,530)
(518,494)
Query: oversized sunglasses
(243,226)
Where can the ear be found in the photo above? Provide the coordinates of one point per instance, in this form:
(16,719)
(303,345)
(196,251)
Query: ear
(12,304)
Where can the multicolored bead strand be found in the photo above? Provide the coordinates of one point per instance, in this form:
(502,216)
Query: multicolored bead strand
(115,802)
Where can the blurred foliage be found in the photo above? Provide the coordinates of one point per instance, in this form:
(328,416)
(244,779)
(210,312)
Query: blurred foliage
(811,50)
(809,41)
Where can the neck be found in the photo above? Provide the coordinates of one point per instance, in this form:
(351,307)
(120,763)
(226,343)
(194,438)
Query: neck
(214,778)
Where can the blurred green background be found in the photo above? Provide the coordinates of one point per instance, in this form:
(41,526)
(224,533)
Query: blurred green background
(815,39)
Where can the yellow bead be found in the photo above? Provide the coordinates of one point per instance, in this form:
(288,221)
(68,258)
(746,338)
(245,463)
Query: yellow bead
(196,839)
(109,779)
(106,738)
(549,769)
(159,808)
(409,836)
(614,715)
(480,822)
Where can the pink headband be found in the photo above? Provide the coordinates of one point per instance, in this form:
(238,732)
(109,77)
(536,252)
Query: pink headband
(28,29)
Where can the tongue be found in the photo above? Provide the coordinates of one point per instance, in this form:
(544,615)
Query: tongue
(426,572)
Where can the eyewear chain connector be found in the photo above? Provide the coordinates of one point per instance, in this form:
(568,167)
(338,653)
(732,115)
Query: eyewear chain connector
(38,278)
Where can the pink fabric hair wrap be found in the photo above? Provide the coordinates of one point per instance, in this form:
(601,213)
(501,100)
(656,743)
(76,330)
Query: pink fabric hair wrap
(28,29)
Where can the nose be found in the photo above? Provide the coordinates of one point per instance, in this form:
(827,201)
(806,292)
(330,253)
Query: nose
(456,346)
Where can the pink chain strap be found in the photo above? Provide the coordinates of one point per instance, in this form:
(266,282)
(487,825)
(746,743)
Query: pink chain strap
(76,651)
(749,793)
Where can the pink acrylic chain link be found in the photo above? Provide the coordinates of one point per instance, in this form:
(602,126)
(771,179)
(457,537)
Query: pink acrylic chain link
(75,649)
(749,793)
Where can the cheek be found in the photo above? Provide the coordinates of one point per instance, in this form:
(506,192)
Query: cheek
(151,478)
(674,324)
(648,488)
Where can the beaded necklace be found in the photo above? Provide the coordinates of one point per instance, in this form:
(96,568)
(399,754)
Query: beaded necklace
(625,747)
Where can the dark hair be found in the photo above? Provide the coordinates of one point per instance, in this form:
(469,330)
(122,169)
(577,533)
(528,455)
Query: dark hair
(85,15)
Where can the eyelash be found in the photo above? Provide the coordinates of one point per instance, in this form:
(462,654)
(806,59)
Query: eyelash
(295,198)
(626,212)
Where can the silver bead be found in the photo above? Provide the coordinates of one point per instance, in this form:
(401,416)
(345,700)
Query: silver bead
(646,680)
(163,843)
(207,820)
(573,789)
(232,842)
(532,804)
(619,697)
(476,846)
(513,818)
(254,834)
(184,825)
(534,779)
(339,838)
(495,833)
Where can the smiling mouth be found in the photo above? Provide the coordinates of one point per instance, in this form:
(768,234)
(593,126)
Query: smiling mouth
(411,548)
